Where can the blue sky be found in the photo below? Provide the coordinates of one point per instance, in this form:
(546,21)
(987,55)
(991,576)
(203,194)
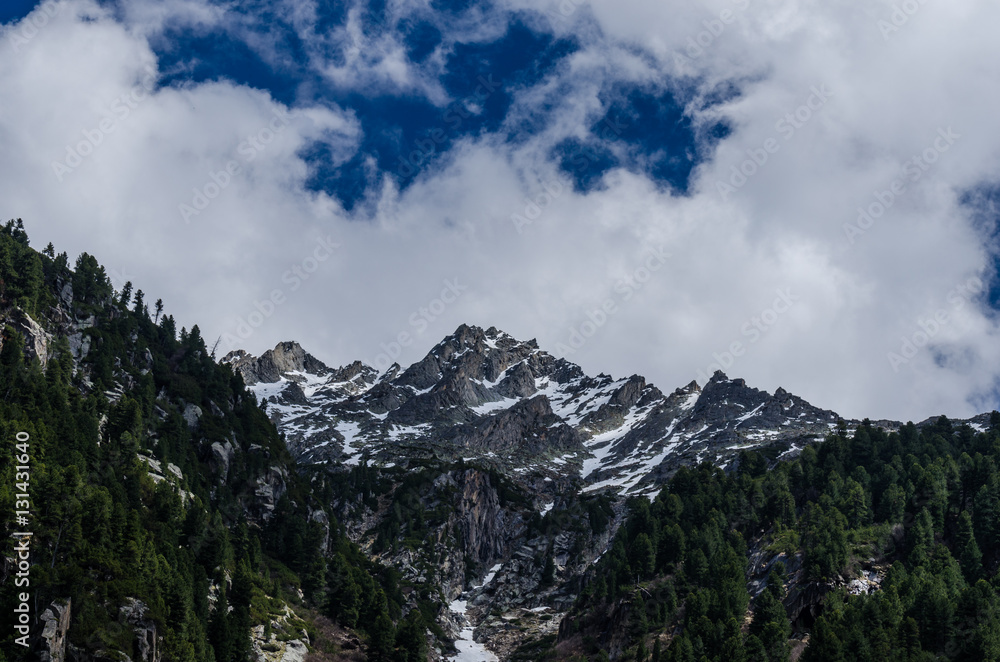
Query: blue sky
(547,156)
(644,127)
(13,10)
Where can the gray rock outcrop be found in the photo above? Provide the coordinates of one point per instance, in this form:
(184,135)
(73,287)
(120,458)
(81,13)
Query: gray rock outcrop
(55,627)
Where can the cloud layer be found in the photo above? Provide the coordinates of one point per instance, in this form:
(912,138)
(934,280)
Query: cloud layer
(798,192)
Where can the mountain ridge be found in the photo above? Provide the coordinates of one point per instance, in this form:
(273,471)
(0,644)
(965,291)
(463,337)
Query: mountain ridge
(485,392)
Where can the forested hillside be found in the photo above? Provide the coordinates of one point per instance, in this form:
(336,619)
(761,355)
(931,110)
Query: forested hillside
(170,521)
(168,517)
(869,546)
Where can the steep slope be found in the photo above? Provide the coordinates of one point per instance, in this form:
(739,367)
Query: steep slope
(161,515)
(497,460)
(486,396)
(505,471)
(846,552)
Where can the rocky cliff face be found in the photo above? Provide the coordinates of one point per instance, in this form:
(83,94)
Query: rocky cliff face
(67,336)
(486,396)
(528,459)
(55,628)
(517,445)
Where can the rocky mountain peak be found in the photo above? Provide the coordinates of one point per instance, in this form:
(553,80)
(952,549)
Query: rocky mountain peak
(470,354)
(484,395)
(284,360)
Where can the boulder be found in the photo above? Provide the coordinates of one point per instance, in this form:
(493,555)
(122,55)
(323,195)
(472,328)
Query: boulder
(222,454)
(146,639)
(36,339)
(192,413)
(55,626)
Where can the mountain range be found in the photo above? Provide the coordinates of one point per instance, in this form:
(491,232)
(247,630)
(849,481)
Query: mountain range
(483,395)
(488,502)
(541,429)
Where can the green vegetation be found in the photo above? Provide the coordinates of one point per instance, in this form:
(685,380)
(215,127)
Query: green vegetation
(923,503)
(199,551)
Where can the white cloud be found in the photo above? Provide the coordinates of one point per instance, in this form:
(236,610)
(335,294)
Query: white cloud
(783,230)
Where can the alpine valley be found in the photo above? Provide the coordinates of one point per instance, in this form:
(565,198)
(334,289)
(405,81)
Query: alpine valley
(489,502)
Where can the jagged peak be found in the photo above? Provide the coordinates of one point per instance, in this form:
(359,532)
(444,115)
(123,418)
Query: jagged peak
(287,357)
(390,373)
(688,389)
(718,377)
(236,355)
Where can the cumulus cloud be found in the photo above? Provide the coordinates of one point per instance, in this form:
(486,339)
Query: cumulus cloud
(754,269)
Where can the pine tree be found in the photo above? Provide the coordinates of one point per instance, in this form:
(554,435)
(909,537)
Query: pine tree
(855,506)
(754,650)
(770,625)
(411,638)
(382,637)
(240,617)
(219,628)
(643,556)
(920,538)
(969,555)
(733,647)
(548,571)
(824,644)
(126,295)
(776,579)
